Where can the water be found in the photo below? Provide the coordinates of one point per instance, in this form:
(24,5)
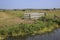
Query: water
(55,35)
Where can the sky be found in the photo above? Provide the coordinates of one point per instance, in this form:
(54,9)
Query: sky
(30,4)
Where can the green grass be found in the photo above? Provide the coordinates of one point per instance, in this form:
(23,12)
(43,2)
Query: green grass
(15,13)
(10,23)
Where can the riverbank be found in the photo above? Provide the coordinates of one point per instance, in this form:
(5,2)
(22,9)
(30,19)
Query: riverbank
(38,27)
(24,36)
(12,24)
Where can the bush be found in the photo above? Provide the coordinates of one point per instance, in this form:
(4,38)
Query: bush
(25,28)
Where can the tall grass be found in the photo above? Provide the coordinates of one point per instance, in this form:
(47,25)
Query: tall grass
(42,25)
(24,28)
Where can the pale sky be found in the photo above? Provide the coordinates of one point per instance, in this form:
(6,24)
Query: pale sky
(34,4)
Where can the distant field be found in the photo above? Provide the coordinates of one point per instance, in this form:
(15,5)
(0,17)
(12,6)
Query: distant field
(8,18)
(14,16)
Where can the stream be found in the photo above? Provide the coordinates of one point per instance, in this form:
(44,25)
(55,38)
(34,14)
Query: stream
(55,35)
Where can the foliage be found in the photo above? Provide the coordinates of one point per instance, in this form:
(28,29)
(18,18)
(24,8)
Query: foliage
(42,25)
(27,28)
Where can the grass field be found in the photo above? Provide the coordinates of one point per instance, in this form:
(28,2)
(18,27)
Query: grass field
(11,19)
(10,14)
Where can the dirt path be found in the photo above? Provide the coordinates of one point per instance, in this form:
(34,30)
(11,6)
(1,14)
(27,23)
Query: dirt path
(6,19)
(3,15)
